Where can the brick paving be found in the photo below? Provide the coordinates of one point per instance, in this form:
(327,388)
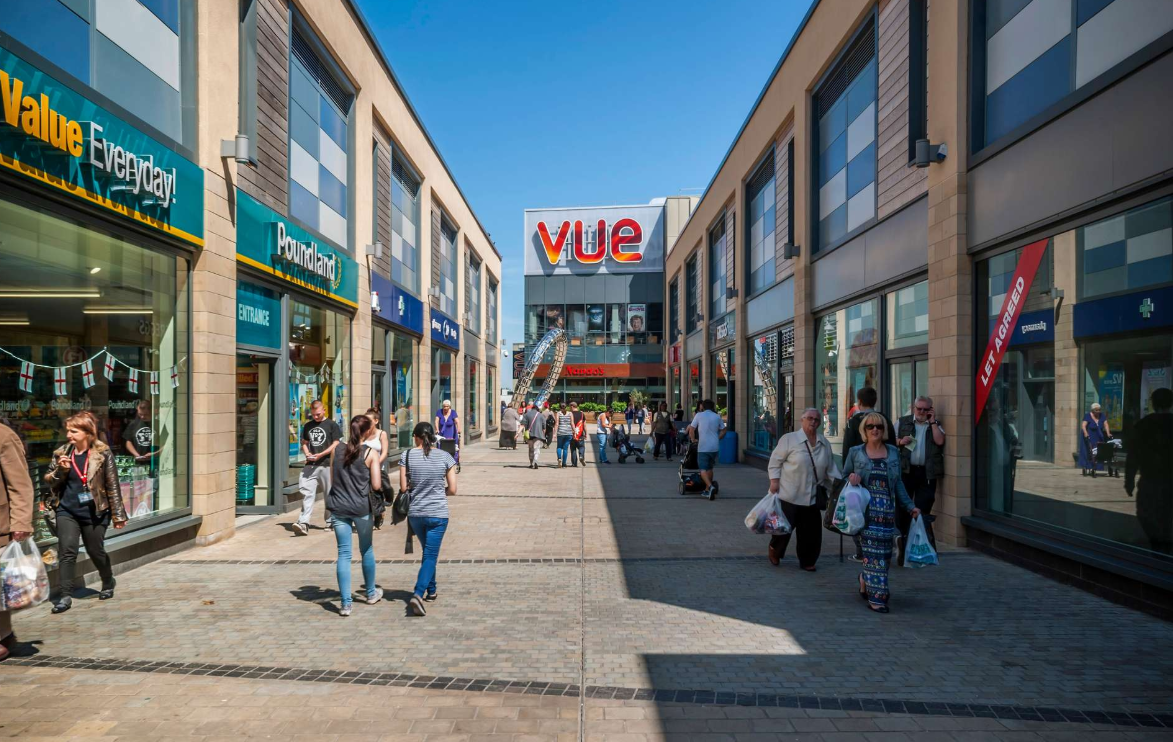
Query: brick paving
(674,610)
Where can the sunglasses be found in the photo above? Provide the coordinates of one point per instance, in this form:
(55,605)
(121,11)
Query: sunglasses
(873,426)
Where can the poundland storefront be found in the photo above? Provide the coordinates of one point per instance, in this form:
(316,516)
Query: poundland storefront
(98,221)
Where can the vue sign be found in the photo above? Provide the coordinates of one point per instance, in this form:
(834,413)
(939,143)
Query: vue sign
(591,244)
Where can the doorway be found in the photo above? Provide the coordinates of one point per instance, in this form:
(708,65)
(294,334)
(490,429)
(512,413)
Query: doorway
(254,433)
(908,378)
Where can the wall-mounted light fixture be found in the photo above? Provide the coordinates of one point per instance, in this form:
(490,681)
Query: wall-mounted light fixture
(926,153)
(238,148)
(375,251)
(790,251)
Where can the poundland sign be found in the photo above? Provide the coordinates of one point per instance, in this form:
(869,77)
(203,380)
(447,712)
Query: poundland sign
(50,134)
(304,254)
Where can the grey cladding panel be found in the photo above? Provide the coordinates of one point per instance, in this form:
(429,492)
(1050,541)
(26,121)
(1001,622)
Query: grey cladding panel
(125,80)
(840,273)
(535,290)
(618,289)
(654,287)
(1110,142)
(576,292)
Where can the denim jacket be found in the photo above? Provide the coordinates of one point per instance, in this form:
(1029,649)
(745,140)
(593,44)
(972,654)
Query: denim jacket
(857,461)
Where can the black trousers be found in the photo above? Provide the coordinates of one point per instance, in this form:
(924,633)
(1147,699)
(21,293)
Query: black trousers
(663,439)
(807,524)
(578,449)
(69,532)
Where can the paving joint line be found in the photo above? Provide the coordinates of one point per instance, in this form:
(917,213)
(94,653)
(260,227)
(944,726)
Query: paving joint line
(1156,720)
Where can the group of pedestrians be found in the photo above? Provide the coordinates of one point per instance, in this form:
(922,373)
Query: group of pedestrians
(900,467)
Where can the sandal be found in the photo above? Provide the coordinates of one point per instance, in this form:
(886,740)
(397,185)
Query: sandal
(863,593)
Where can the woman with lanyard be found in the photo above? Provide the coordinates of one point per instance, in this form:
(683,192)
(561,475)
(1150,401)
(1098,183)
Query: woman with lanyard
(84,493)
(448,426)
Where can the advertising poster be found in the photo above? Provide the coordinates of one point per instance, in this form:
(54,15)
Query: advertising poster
(596,317)
(554,317)
(637,319)
(1153,376)
(1112,394)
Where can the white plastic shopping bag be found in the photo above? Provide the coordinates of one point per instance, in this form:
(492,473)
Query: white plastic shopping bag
(850,509)
(649,445)
(920,553)
(767,517)
(24,582)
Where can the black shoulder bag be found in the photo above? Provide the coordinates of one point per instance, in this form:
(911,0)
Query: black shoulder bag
(402,504)
(823,499)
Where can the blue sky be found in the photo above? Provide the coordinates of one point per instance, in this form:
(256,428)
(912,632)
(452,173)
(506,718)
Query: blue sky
(538,104)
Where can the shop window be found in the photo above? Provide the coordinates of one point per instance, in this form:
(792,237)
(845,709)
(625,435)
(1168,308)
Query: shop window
(404,351)
(474,416)
(319,105)
(764,429)
(405,230)
(717,300)
(441,377)
(473,321)
(1127,252)
(918,74)
(1030,56)
(490,397)
(845,160)
(120,299)
(674,311)
(762,220)
(724,376)
(319,369)
(847,348)
(616,322)
(491,317)
(692,299)
(447,268)
(908,317)
(535,322)
(655,322)
(694,387)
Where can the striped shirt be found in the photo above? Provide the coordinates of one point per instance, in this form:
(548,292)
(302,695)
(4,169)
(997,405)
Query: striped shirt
(429,498)
(565,424)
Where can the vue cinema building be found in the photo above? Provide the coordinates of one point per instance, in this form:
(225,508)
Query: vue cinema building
(598,273)
(970,200)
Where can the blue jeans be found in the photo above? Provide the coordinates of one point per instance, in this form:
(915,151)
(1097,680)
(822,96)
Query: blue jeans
(564,444)
(344,528)
(602,447)
(430,532)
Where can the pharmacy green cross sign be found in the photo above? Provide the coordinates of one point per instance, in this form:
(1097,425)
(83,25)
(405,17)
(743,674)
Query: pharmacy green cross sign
(1146,308)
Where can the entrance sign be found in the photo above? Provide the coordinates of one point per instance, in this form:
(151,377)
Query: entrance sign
(258,316)
(1005,323)
(589,241)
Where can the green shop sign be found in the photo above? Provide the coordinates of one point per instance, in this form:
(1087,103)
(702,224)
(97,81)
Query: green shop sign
(269,242)
(52,135)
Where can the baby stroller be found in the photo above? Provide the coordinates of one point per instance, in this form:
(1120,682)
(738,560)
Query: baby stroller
(691,482)
(622,443)
(1105,453)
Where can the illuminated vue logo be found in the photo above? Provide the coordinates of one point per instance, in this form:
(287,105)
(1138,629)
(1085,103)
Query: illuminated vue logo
(591,244)
(305,255)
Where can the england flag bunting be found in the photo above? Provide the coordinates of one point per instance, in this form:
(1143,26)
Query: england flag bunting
(154,383)
(174,377)
(60,388)
(108,369)
(26,376)
(132,381)
(87,374)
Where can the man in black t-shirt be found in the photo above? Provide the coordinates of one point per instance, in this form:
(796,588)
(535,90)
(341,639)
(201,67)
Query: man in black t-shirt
(319,438)
(140,437)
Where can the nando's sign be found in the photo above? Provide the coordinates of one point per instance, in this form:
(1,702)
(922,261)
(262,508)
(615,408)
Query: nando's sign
(587,241)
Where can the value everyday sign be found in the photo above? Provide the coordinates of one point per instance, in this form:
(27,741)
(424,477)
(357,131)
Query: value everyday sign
(57,137)
(267,241)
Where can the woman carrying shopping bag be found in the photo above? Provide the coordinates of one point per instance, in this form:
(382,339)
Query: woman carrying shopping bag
(800,465)
(876,465)
(84,494)
(354,472)
(432,481)
(16,512)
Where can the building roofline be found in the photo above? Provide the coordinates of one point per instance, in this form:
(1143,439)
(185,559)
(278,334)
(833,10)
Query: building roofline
(769,81)
(378,48)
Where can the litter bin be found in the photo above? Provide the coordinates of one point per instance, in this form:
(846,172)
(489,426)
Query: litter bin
(727,453)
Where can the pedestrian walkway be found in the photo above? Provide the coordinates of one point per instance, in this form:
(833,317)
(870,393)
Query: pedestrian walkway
(587,603)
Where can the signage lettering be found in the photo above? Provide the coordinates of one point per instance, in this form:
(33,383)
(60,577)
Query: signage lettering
(591,244)
(254,315)
(584,371)
(138,172)
(37,119)
(1036,327)
(305,255)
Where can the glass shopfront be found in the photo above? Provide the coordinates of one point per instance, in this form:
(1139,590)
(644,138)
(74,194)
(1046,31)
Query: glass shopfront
(772,394)
(92,323)
(319,368)
(724,375)
(490,397)
(847,350)
(694,387)
(393,382)
(470,380)
(1077,432)
(441,376)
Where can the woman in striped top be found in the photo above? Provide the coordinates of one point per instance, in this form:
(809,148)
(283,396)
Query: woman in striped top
(432,482)
(565,435)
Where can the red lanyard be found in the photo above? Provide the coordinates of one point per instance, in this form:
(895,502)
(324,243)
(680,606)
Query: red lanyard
(82,475)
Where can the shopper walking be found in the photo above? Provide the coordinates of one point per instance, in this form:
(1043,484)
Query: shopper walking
(865,403)
(16,512)
(1148,456)
(800,463)
(536,424)
(1093,431)
(922,464)
(355,471)
(427,473)
(84,494)
(629,416)
(448,426)
(319,437)
(380,441)
(603,429)
(578,445)
(510,416)
(707,429)
(876,465)
(641,415)
(565,432)
(661,428)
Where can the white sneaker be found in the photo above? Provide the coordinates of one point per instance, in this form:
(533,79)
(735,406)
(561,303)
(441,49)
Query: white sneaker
(344,612)
(417,606)
(372,599)
(301,529)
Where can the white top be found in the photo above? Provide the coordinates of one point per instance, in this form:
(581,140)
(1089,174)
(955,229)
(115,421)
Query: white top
(791,465)
(708,426)
(923,431)
(375,443)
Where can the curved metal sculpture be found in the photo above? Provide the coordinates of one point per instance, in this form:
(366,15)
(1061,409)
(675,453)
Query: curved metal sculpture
(769,389)
(556,338)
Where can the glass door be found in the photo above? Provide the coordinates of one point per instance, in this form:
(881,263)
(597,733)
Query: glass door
(908,379)
(254,432)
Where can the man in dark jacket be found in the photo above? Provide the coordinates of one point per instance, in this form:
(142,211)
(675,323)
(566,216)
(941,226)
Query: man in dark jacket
(921,440)
(1149,444)
(578,445)
(865,399)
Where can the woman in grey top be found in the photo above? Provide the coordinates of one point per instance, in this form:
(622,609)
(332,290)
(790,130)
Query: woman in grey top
(509,420)
(354,472)
(432,482)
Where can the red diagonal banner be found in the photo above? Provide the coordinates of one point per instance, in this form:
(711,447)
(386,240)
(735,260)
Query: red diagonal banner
(1000,336)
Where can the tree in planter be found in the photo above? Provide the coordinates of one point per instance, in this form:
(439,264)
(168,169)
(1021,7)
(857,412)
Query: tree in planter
(638,399)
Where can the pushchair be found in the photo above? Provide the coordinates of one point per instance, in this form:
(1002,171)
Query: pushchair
(621,441)
(691,482)
(451,447)
(1105,453)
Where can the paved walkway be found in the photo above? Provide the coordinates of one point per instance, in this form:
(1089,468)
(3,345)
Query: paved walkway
(585,603)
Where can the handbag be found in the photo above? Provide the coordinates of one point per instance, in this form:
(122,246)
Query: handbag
(820,491)
(402,504)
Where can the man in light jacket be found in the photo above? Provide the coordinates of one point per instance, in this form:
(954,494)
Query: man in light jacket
(16,512)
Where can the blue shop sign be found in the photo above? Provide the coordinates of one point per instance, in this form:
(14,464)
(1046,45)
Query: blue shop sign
(258,316)
(445,330)
(1032,327)
(395,305)
(1140,310)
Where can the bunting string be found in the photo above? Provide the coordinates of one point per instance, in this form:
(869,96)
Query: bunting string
(28,368)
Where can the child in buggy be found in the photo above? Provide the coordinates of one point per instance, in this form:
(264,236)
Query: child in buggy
(622,443)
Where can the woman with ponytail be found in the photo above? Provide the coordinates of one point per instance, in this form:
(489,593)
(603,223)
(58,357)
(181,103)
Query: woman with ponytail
(354,472)
(428,474)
